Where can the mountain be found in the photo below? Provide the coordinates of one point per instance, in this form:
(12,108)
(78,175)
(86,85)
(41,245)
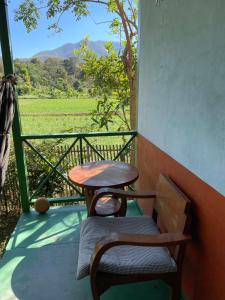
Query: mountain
(66,50)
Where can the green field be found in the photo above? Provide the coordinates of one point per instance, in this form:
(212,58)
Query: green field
(44,116)
(37,115)
(79,105)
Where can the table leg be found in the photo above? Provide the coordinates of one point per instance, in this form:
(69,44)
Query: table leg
(89,193)
(88,197)
(123,207)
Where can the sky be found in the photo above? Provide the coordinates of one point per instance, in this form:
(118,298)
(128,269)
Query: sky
(25,44)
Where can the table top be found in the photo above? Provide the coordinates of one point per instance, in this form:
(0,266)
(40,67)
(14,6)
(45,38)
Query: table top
(106,173)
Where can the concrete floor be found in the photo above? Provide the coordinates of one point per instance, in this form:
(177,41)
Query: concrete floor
(41,257)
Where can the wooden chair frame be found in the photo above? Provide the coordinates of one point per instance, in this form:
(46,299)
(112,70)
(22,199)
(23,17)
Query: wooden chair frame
(175,240)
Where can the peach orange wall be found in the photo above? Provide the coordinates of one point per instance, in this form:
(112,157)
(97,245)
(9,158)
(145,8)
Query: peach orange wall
(204,267)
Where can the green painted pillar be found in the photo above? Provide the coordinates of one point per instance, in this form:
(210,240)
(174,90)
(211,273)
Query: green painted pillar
(16,129)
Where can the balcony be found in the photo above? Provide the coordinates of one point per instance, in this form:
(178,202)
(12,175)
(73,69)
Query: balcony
(41,257)
(180,133)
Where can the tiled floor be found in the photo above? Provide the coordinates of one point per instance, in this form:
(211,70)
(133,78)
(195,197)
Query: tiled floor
(41,257)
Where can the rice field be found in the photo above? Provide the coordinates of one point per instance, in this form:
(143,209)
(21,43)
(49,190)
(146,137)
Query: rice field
(46,116)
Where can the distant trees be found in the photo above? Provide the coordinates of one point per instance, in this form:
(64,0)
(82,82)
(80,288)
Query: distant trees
(52,77)
(25,85)
(70,65)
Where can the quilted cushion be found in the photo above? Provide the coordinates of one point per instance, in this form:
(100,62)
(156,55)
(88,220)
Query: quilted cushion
(122,259)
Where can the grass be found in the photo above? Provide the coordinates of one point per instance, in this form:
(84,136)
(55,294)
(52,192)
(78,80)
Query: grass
(78,105)
(37,115)
(55,124)
(45,116)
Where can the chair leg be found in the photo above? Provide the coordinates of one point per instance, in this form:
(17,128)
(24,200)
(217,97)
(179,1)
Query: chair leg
(95,296)
(95,293)
(176,292)
(95,286)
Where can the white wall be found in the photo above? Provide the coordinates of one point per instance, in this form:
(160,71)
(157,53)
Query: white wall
(182,83)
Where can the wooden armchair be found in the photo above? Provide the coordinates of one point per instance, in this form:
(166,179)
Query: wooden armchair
(132,249)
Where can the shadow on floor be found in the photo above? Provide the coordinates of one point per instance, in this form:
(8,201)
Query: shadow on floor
(41,260)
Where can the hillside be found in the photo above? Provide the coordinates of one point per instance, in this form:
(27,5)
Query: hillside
(65,51)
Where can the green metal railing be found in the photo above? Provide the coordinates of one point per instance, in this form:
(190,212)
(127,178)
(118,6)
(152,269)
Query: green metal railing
(79,139)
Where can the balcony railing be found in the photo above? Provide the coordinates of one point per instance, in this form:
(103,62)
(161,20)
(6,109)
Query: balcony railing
(78,148)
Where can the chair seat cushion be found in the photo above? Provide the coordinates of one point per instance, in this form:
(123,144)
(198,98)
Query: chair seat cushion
(122,259)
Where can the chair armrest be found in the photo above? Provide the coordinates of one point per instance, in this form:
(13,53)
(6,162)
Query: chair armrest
(117,193)
(127,194)
(115,239)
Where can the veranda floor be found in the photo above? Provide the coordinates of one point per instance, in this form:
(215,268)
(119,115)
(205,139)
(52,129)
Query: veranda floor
(41,257)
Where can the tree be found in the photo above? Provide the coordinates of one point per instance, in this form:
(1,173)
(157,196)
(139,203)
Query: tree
(49,77)
(70,65)
(108,80)
(24,80)
(125,24)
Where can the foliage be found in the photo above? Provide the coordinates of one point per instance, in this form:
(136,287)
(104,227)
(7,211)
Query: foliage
(60,115)
(38,169)
(124,24)
(55,77)
(108,79)
(29,11)
(24,79)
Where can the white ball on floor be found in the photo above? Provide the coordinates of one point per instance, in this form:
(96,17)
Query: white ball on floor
(41,205)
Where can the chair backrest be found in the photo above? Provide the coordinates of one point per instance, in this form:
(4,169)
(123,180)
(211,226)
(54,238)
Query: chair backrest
(172,207)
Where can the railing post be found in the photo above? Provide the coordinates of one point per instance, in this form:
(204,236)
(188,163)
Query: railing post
(16,128)
(81,151)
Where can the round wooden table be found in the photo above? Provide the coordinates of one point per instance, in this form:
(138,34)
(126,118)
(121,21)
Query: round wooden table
(107,173)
